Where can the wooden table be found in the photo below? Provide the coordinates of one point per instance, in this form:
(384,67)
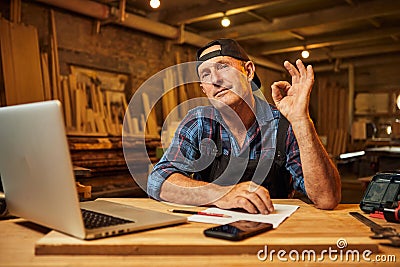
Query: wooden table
(185,245)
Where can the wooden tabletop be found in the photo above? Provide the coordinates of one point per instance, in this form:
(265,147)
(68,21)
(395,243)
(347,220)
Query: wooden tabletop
(185,245)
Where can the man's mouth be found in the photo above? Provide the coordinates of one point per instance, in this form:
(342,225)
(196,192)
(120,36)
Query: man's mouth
(221,91)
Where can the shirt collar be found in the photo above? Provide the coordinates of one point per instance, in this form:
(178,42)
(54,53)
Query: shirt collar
(264,112)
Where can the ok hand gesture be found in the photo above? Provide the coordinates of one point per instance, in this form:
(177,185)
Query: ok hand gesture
(292,100)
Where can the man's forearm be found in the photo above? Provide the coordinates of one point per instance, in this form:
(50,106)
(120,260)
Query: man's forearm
(246,195)
(321,177)
(181,189)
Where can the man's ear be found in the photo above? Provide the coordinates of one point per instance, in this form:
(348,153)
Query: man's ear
(202,89)
(250,69)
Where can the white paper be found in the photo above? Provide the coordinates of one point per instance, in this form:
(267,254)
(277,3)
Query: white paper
(276,218)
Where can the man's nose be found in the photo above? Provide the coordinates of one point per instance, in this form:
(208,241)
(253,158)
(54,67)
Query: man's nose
(216,77)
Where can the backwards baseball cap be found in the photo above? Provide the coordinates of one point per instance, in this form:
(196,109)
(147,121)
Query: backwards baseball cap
(229,48)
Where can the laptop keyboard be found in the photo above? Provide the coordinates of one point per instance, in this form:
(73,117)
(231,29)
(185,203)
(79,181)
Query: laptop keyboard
(94,219)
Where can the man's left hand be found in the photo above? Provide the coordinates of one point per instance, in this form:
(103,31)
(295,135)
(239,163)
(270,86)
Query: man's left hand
(292,100)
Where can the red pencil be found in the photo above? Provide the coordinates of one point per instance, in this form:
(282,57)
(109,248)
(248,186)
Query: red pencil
(200,213)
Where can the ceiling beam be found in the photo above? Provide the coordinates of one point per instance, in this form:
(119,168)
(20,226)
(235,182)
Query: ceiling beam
(377,88)
(326,41)
(317,18)
(358,52)
(216,9)
(360,62)
(267,63)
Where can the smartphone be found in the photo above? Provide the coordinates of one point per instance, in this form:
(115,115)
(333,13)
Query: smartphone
(238,230)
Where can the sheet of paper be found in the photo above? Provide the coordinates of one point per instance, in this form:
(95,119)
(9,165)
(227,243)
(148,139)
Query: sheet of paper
(280,214)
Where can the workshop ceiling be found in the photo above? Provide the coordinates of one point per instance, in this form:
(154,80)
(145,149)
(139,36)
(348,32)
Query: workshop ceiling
(335,32)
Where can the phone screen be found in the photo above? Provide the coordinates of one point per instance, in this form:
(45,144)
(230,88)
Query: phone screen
(238,230)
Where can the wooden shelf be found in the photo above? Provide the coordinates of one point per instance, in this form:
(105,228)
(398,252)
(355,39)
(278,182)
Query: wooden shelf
(109,173)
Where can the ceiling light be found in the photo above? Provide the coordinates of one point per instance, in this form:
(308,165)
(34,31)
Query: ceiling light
(225,22)
(398,101)
(155,3)
(389,130)
(305,54)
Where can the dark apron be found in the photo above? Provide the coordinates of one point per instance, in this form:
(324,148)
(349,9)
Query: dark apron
(227,170)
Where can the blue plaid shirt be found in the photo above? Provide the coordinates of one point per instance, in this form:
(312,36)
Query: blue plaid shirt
(200,123)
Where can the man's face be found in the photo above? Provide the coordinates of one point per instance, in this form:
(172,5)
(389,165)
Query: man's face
(224,79)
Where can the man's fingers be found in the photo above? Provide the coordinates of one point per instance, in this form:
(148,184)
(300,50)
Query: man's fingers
(265,197)
(310,73)
(279,89)
(259,199)
(257,202)
(292,71)
(302,69)
(281,85)
(244,203)
(249,196)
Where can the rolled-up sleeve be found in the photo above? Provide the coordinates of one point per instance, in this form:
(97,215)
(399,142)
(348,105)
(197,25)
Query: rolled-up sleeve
(293,163)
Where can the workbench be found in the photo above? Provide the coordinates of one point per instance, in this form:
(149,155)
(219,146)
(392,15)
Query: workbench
(23,243)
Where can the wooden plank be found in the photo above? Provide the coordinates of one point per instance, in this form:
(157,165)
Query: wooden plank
(294,233)
(54,83)
(7,62)
(72,86)
(128,118)
(165,100)
(142,123)
(182,93)
(15,11)
(322,107)
(325,110)
(101,101)
(54,56)
(100,124)
(109,123)
(78,111)
(173,96)
(21,63)
(344,141)
(46,76)
(93,98)
(343,109)
(135,126)
(91,125)
(151,115)
(67,102)
(101,114)
(334,107)
(27,63)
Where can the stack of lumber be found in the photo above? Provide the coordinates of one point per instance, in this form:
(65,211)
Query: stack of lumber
(179,97)
(100,106)
(109,174)
(84,108)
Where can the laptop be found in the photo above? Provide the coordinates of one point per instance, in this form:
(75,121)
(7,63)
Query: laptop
(39,183)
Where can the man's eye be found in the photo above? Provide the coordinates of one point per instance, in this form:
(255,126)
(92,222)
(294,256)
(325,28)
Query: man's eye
(204,75)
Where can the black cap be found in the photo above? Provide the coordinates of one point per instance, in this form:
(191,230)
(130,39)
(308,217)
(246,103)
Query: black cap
(229,48)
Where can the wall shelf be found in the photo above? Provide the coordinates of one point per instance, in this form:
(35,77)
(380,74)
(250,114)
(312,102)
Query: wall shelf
(109,174)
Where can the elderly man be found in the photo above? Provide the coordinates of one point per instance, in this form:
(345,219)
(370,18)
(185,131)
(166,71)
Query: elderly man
(236,169)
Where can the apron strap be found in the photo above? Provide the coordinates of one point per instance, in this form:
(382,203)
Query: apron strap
(280,153)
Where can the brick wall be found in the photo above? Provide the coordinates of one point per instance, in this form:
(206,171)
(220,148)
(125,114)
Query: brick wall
(114,48)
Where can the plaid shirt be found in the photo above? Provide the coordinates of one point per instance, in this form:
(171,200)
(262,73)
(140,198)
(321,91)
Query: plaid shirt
(200,124)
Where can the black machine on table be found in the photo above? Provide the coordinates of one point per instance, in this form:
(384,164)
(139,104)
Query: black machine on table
(382,197)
